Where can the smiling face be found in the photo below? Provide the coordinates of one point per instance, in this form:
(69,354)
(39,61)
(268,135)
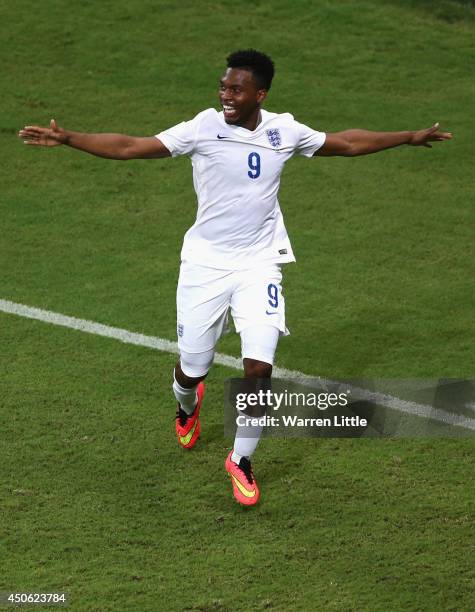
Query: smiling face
(241,97)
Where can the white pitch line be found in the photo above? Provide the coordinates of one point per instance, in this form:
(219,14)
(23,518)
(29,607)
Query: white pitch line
(160,344)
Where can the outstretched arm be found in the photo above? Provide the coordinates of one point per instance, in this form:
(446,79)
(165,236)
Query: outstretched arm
(362,142)
(111,146)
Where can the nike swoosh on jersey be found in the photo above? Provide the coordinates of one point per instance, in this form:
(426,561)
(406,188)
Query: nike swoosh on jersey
(221,137)
(271,313)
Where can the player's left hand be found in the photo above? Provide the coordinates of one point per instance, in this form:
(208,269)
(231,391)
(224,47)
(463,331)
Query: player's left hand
(425,137)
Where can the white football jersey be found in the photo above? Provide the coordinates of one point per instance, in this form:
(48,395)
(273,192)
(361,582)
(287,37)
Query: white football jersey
(236,176)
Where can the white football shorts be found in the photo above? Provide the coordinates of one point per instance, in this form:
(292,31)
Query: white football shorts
(206,295)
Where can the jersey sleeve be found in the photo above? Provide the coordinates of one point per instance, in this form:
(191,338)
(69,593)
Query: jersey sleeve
(181,138)
(309,141)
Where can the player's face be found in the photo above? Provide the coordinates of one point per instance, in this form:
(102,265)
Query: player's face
(240,97)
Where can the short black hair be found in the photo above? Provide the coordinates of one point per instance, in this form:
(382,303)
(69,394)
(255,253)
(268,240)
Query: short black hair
(260,64)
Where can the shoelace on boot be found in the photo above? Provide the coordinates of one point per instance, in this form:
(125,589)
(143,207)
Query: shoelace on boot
(181,415)
(245,466)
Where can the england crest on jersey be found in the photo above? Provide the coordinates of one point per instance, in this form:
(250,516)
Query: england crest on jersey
(274,137)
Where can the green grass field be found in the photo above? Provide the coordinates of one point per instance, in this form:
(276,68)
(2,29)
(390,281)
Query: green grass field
(97,499)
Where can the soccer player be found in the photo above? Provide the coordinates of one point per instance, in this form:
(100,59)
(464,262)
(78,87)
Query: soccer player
(232,256)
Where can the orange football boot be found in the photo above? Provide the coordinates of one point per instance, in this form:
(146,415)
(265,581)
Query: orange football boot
(245,488)
(188,426)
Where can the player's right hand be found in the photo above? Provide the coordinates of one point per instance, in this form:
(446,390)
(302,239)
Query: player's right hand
(46,137)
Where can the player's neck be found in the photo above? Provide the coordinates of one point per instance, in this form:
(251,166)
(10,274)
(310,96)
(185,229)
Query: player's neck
(253,121)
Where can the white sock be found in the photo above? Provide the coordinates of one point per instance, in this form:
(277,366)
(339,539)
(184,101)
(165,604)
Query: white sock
(235,457)
(246,441)
(185,397)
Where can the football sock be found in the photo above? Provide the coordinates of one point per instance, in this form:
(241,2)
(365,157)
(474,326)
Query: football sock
(235,457)
(185,397)
(247,439)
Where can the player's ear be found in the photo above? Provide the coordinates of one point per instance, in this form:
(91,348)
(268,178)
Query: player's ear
(261,95)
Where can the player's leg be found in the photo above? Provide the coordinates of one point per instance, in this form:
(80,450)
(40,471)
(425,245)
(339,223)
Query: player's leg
(185,385)
(189,392)
(258,309)
(202,305)
(255,341)
(258,348)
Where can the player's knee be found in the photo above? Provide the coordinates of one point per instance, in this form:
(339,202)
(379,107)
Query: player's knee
(194,365)
(183,380)
(257,369)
